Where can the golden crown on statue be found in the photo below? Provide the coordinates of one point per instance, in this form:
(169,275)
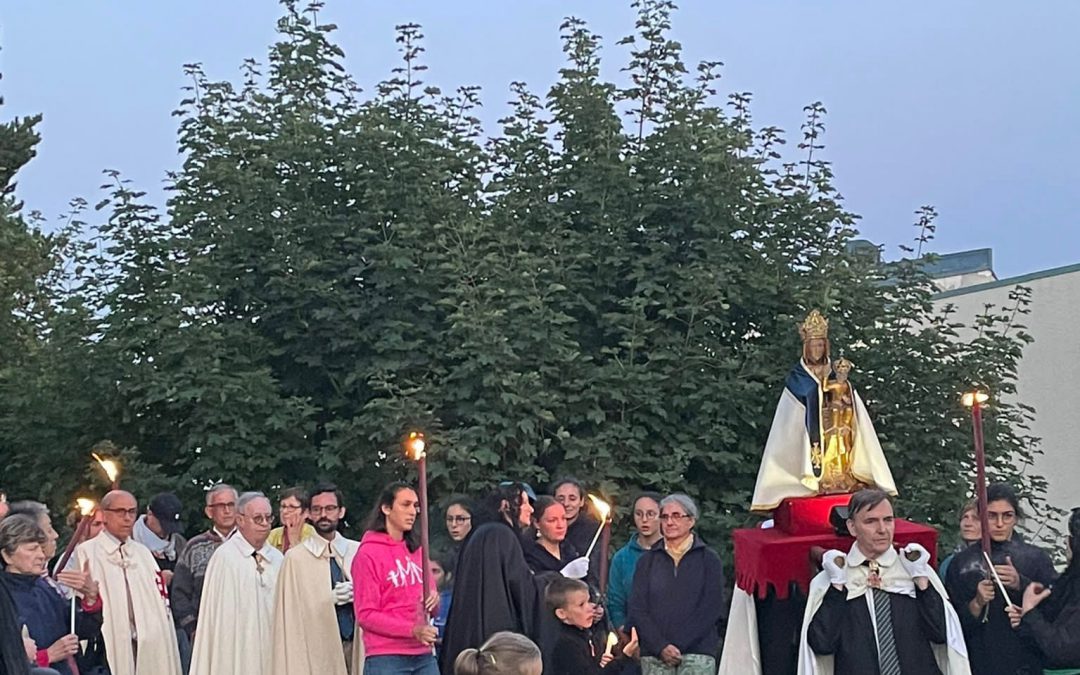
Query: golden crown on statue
(815,327)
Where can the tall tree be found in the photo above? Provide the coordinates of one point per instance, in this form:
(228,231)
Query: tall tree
(609,287)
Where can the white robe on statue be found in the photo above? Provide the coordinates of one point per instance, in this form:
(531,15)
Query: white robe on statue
(236,610)
(306,633)
(786,469)
(951,657)
(149,622)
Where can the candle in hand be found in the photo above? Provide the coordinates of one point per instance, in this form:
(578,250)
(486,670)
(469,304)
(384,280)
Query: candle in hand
(604,509)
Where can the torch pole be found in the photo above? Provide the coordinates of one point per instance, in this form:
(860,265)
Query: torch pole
(605,547)
(76,539)
(425,551)
(980,472)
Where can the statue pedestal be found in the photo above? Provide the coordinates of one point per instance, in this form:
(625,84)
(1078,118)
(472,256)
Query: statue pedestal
(799,516)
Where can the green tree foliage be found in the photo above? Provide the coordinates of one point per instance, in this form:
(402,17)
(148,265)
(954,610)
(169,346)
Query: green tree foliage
(609,287)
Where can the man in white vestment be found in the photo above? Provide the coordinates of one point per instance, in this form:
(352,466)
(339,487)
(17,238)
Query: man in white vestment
(314,625)
(874,609)
(138,630)
(238,596)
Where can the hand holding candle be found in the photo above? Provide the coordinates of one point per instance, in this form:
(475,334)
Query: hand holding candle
(997,579)
(608,657)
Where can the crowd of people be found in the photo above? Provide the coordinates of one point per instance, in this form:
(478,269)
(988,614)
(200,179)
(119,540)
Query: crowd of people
(515,590)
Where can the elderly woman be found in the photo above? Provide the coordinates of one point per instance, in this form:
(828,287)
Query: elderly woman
(1050,617)
(40,606)
(40,513)
(677,599)
(970,533)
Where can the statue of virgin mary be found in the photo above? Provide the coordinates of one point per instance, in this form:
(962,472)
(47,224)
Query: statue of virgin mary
(822,440)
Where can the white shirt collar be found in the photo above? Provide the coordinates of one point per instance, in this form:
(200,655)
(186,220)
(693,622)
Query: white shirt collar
(856,557)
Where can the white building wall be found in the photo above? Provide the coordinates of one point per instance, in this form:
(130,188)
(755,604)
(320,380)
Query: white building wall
(1049,371)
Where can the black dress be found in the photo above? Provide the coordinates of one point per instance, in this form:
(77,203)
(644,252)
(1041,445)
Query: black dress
(994,648)
(495,591)
(540,559)
(13,659)
(1053,628)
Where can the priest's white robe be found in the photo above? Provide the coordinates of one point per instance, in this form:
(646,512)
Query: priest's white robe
(236,610)
(118,570)
(306,634)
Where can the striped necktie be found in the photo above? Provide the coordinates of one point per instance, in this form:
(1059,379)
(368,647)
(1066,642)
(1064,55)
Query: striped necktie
(888,659)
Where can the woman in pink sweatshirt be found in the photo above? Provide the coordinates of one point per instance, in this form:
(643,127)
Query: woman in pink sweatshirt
(389,598)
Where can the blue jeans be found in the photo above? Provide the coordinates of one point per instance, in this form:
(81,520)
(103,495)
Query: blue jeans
(424,664)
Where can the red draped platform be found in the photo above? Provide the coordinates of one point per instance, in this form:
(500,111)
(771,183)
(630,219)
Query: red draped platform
(780,556)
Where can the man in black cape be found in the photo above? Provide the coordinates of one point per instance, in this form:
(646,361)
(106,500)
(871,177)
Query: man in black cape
(494,590)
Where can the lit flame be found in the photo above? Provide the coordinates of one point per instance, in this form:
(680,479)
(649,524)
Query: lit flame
(612,640)
(415,446)
(972,396)
(602,507)
(86,506)
(109,466)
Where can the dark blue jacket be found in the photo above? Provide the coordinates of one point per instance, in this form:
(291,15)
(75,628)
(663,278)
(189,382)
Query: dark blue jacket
(46,613)
(682,606)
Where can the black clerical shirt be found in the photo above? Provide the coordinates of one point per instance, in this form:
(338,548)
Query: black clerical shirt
(843,628)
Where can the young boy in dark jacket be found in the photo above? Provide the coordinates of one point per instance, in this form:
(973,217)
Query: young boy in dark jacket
(578,651)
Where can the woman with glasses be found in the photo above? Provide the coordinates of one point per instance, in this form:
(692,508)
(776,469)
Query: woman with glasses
(293,505)
(993,647)
(621,577)
(677,599)
(459,518)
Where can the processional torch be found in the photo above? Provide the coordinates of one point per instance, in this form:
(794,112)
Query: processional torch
(975,399)
(416,450)
(87,507)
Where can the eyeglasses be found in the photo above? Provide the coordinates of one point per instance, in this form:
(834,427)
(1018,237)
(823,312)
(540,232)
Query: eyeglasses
(261,519)
(319,510)
(647,515)
(673,516)
(130,513)
(1006,517)
(228,506)
(457,520)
